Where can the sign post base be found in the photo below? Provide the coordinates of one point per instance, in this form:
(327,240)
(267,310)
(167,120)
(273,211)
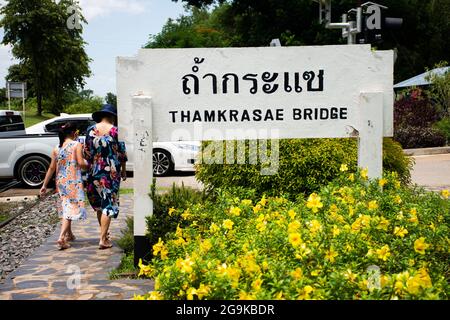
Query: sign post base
(143,169)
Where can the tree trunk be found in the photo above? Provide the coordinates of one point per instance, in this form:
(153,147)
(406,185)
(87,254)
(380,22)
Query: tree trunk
(39,102)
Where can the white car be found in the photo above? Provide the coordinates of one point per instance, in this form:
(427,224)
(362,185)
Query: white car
(11,123)
(167,156)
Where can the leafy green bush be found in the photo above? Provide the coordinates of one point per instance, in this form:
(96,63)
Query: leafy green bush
(126,242)
(444,127)
(162,222)
(320,247)
(84,106)
(305,165)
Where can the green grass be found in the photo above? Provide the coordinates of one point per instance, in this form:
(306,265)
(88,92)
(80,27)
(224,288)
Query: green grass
(31,118)
(126,268)
(6,211)
(3,217)
(125,191)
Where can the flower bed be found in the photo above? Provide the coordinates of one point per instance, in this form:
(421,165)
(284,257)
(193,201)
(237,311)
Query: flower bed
(355,239)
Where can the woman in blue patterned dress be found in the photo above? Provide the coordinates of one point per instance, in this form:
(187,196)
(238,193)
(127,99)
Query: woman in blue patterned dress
(106,158)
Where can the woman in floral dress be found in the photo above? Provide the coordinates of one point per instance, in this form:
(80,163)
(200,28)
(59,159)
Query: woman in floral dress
(106,158)
(67,161)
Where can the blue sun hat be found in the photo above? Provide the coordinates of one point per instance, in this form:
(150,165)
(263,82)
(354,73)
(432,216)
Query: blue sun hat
(107,109)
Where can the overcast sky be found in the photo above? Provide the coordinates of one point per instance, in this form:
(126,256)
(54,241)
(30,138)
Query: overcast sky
(115,28)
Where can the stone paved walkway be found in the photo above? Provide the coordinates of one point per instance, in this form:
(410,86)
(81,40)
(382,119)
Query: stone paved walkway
(78,273)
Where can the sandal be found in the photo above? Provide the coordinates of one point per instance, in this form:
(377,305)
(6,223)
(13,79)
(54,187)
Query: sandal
(70,238)
(62,244)
(107,245)
(103,247)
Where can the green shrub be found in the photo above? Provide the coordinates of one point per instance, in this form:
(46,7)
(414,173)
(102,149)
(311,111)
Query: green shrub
(304,166)
(444,127)
(419,137)
(126,241)
(162,222)
(320,247)
(84,106)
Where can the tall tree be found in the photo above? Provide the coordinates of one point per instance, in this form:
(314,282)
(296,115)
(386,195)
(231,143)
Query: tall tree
(421,42)
(111,99)
(48,48)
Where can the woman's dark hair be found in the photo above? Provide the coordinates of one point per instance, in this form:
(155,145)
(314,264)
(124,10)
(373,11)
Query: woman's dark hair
(66,130)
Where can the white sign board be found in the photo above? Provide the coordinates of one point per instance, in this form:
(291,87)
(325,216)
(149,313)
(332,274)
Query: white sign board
(16,90)
(252,93)
(234,93)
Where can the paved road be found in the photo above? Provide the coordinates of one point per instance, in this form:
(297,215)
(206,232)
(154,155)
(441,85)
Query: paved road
(432,171)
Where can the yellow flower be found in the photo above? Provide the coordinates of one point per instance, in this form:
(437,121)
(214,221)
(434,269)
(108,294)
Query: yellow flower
(291,214)
(343,168)
(314,203)
(336,231)
(179,232)
(246,296)
(420,245)
(382,182)
(383,253)
(186,214)
(144,270)
(160,248)
(304,294)
(235,211)
(314,226)
(246,202)
(302,251)
(293,226)
(257,208)
(350,275)
(256,285)
(190,293)
(413,213)
(331,255)
(261,226)
(364,173)
(138,297)
(213,228)
(265,265)
(228,224)
(315,273)
(373,205)
(398,199)
(383,224)
(206,245)
(179,242)
(171,210)
(185,265)
(297,274)
(445,193)
(351,177)
(295,239)
(203,291)
(263,201)
(400,232)
(155,295)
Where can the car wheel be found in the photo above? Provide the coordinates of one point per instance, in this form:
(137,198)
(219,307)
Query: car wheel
(162,163)
(32,171)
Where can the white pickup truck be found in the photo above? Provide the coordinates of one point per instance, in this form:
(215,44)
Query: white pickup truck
(26,157)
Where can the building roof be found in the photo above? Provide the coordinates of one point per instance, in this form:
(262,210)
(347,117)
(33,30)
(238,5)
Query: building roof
(420,80)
